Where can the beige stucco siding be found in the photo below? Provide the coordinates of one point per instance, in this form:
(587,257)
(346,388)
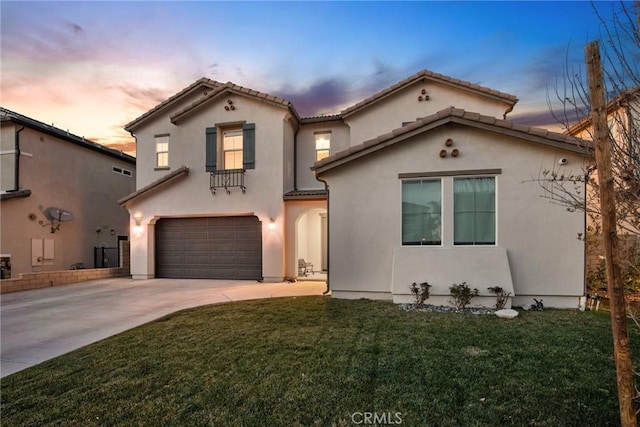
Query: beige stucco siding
(545,257)
(306,149)
(404,106)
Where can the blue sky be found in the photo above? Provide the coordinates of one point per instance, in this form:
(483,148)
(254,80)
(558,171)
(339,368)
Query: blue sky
(91,67)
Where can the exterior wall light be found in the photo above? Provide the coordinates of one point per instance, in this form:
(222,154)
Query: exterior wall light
(137,229)
(272,224)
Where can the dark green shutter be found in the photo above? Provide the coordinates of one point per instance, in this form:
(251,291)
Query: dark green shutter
(249,146)
(212,149)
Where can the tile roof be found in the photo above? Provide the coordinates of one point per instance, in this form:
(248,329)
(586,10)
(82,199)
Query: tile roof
(619,101)
(453,115)
(306,195)
(429,75)
(221,89)
(155,185)
(321,118)
(7,115)
(212,89)
(202,83)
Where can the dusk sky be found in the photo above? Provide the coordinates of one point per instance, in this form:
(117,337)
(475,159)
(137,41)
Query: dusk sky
(91,67)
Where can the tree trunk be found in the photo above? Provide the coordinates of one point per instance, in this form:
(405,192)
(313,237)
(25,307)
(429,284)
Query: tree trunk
(622,352)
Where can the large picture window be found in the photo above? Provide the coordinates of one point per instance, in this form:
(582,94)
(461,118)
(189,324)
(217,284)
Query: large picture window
(474,211)
(421,212)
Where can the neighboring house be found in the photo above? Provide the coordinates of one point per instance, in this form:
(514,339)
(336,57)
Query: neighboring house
(623,117)
(59,197)
(225,190)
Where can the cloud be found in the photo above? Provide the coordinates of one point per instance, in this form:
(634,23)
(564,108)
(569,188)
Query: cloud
(139,97)
(322,96)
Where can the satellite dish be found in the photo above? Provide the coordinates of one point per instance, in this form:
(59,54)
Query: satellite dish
(60,215)
(56,216)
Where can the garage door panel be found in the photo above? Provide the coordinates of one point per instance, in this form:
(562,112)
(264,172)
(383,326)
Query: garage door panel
(216,248)
(195,247)
(196,259)
(218,261)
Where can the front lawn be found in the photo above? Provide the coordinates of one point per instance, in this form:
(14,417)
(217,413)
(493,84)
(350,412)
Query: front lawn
(314,361)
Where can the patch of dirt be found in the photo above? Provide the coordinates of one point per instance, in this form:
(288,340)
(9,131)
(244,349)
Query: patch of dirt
(475,351)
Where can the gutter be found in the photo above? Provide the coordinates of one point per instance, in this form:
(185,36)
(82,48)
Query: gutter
(326,187)
(16,185)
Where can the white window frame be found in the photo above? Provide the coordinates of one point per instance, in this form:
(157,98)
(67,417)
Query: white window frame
(160,140)
(434,245)
(447,222)
(322,151)
(224,151)
(121,171)
(495,212)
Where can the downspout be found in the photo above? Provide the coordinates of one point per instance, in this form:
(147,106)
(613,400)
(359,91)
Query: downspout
(326,187)
(16,184)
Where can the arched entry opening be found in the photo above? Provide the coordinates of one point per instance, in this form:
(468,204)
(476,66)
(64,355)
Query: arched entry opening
(311,242)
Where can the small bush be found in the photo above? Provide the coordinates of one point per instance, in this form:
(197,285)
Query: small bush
(462,294)
(420,292)
(501,296)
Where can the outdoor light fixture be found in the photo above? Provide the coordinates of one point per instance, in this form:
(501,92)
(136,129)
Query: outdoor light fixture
(272,224)
(137,229)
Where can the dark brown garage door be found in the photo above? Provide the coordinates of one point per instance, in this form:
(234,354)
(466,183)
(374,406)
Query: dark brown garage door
(209,248)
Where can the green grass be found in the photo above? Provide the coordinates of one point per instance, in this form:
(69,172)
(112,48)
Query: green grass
(315,361)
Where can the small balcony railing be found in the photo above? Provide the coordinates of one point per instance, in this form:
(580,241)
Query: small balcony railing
(227,179)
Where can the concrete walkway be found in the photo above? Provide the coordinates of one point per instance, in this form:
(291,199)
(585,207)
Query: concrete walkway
(44,323)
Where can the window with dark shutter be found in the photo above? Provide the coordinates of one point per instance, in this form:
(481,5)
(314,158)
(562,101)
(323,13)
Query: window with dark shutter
(249,146)
(211,149)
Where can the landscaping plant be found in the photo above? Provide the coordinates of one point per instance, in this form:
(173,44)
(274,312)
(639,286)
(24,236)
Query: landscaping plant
(501,296)
(420,292)
(462,294)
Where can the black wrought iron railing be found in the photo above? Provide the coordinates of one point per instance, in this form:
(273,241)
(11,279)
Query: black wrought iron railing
(227,179)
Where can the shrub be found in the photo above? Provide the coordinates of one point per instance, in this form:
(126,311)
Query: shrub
(462,294)
(420,292)
(501,296)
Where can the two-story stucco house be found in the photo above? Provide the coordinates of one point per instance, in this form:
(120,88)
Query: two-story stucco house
(59,197)
(419,182)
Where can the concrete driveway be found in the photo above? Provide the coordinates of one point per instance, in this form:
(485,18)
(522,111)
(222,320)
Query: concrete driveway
(44,323)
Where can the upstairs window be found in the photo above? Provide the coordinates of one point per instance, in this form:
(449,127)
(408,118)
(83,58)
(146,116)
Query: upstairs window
(162,151)
(230,146)
(421,212)
(474,210)
(232,149)
(323,144)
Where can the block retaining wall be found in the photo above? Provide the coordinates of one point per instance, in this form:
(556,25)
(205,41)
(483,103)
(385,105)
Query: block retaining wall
(28,281)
